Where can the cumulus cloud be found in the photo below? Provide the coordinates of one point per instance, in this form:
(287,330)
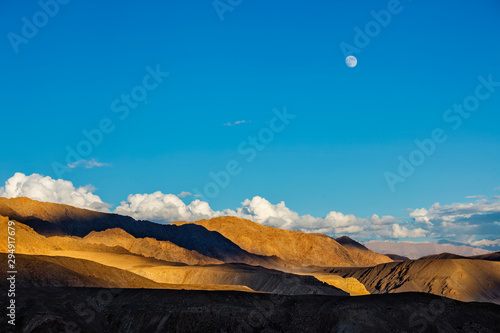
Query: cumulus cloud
(457,221)
(460,220)
(403,232)
(164,208)
(486,243)
(455,211)
(42,188)
(262,211)
(87,164)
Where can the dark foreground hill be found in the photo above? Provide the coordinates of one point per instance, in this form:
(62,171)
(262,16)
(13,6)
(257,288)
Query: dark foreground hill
(111,310)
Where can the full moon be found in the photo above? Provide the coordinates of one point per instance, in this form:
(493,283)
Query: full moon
(351,61)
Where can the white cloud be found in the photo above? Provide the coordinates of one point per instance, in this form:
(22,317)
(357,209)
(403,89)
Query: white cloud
(455,211)
(486,242)
(87,164)
(47,189)
(165,208)
(421,216)
(262,211)
(238,122)
(458,221)
(403,232)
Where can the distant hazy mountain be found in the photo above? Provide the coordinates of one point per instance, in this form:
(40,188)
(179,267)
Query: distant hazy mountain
(415,250)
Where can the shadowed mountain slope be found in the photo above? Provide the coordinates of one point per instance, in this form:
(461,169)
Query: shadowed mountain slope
(294,247)
(495,256)
(82,257)
(443,256)
(396,257)
(256,278)
(51,219)
(109,241)
(148,247)
(57,271)
(362,255)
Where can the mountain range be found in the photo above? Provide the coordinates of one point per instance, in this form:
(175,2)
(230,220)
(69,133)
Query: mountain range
(415,250)
(60,247)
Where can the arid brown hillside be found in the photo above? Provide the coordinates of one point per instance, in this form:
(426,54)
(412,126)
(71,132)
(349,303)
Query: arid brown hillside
(149,247)
(56,271)
(82,263)
(51,219)
(295,248)
(109,241)
(31,242)
(462,279)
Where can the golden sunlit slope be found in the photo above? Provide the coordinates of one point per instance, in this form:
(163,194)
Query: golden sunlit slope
(50,219)
(255,278)
(110,241)
(149,247)
(29,241)
(160,271)
(295,248)
(349,284)
(23,209)
(462,279)
(48,271)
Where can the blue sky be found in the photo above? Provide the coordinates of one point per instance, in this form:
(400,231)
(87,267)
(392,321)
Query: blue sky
(351,124)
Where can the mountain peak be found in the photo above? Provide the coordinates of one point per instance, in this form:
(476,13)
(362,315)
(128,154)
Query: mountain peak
(347,241)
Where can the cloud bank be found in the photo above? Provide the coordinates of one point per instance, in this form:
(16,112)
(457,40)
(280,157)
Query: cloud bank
(47,189)
(476,223)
